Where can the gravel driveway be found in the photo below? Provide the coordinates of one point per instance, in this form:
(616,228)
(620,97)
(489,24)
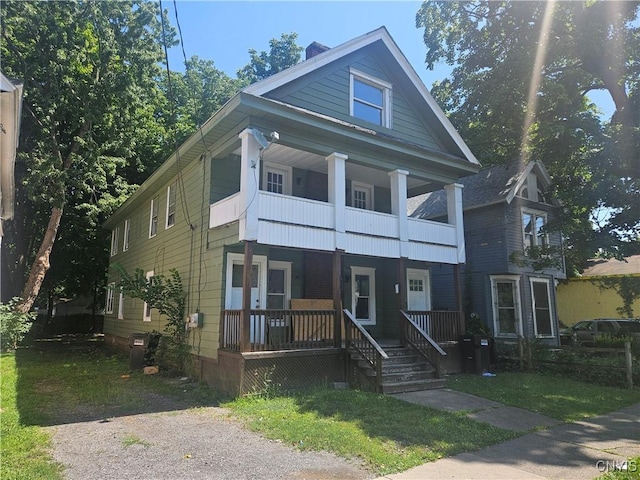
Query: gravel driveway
(202,443)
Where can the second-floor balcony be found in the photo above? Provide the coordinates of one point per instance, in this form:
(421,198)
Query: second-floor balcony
(285,220)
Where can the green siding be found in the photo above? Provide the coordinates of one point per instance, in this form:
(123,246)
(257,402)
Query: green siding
(326,91)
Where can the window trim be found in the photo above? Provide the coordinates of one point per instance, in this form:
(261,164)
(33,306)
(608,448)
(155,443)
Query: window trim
(286,170)
(286,266)
(385,87)
(547,281)
(115,234)
(371,272)
(146,311)
(515,279)
(108,304)
(121,305)
(154,206)
(171,189)
(127,233)
(536,214)
(369,189)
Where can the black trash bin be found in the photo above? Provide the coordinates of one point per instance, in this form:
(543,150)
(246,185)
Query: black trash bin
(476,353)
(138,343)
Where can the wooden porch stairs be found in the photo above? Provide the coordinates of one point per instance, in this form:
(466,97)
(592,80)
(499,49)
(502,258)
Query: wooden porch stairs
(404,371)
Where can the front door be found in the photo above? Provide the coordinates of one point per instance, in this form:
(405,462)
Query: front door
(233,297)
(418,290)
(363,294)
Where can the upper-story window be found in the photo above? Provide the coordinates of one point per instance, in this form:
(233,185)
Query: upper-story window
(361,196)
(115,234)
(276,179)
(533,229)
(532,191)
(370,99)
(171,205)
(153,218)
(127,231)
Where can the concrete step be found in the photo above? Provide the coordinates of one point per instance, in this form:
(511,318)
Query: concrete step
(413,386)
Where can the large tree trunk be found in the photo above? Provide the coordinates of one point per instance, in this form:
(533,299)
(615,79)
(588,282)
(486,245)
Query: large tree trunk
(40,264)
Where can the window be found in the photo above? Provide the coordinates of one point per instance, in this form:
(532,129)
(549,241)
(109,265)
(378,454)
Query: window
(361,196)
(533,229)
(370,99)
(505,293)
(121,305)
(115,233)
(153,218)
(146,316)
(277,179)
(127,230)
(542,314)
(171,205)
(108,307)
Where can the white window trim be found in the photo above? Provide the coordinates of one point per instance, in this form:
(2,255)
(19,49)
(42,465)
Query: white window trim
(372,297)
(171,187)
(115,233)
(276,167)
(532,280)
(108,304)
(238,259)
(146,312)
(127,231)
(386,88)
(363,187)
(154,204)
(536,213)
(121,305)
(286,266)
(518,304)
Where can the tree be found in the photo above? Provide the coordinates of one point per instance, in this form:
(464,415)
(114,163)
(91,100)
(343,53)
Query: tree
(88,69)
(519,89)
(283,53)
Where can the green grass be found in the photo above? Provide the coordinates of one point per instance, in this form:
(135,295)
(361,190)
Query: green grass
(632,472)
(557,397)
(387,434)
(130,440)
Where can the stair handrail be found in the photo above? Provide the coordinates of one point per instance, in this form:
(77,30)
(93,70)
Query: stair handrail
(372,352)
(423,343)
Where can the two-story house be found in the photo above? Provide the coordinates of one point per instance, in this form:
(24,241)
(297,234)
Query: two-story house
(286,216)
(513,261)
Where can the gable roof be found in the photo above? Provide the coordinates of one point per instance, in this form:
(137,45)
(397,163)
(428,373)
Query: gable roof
(491,185)
(379,35)
(603,267)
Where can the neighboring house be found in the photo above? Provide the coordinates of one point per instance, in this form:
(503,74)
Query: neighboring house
(596,293)
(506,208)
(288,205)
(10,111)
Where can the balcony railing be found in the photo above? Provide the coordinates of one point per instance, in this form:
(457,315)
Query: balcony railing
(442,326)
(279,330)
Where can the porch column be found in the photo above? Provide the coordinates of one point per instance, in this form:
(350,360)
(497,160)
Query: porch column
(455,216)
(402,296)
(458,289)
(337,296)
(398,180)
(245,326)
(337,194)
(249,181)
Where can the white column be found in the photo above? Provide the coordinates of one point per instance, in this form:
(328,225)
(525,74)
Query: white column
(455,216)
(249,185)
(398,179)
(337,194)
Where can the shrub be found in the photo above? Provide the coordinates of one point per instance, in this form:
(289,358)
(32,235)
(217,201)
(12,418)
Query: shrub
(14,325)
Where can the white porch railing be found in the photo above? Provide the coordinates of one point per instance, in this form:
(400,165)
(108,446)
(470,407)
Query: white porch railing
(225,211)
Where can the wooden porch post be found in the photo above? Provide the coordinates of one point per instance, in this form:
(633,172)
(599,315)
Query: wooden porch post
(402,295)
(245,326)
(337,296)
(458,291)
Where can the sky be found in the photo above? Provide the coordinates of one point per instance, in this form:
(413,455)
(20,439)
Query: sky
(225,31)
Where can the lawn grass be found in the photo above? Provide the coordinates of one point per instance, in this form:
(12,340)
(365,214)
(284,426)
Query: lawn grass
(632,471)
(557,397)
(388,435)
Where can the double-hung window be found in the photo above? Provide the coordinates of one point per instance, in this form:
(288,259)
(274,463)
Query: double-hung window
(127,231)
(115,233)
(153,218)
(146,315)
(505,295)
(108,307)
(370,98)
(533,229)
(171,205)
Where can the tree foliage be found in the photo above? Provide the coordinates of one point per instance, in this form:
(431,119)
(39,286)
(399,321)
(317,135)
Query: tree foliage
(283,53)
(519,89)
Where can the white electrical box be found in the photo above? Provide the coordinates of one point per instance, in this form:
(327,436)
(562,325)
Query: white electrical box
(195,320)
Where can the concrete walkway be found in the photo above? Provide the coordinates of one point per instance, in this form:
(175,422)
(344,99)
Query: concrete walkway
(554,450)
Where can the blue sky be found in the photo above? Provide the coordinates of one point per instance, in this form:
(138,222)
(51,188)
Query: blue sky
(224,31)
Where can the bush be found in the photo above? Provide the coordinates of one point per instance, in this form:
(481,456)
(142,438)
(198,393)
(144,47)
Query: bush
(14,326)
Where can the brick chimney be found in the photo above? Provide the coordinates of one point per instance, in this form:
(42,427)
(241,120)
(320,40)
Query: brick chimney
(315,49)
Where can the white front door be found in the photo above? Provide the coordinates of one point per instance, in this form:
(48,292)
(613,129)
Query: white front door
(363,294)
(233,297)
(418,290)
